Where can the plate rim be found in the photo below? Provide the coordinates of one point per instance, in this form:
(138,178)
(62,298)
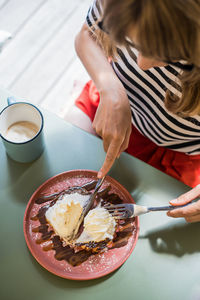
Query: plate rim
(51,270)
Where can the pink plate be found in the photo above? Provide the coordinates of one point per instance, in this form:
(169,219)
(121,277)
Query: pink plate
(96,265)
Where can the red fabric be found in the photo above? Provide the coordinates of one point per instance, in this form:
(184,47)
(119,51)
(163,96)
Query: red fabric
(181,166)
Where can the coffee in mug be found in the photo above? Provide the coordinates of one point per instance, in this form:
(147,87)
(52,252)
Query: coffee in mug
(21,130)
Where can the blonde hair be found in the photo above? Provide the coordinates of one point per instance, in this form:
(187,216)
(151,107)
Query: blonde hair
(167,30)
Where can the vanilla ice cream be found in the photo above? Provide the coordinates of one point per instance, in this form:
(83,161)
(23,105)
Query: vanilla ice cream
(98,226)
(65,213)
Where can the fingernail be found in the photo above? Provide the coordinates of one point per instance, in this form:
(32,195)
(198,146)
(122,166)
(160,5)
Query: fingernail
(99,175)
(174,201)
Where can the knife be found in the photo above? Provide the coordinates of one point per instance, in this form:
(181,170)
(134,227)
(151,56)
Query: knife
(87,207)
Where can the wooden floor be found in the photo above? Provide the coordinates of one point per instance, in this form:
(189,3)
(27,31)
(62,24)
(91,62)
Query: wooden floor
(39,63)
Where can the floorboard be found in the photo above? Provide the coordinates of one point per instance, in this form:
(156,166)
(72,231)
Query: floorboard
(50,64)
(39,64)
(14,14)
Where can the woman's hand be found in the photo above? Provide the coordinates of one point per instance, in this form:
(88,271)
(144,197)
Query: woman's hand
(113,123)
(191,213)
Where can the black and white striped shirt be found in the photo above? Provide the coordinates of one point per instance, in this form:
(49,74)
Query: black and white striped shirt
(146,92)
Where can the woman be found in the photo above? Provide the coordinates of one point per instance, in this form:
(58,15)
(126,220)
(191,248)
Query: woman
(144,59)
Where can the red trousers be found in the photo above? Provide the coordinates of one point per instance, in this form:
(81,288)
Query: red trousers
(181,166)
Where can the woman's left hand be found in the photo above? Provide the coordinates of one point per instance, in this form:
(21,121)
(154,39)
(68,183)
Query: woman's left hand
(191,213)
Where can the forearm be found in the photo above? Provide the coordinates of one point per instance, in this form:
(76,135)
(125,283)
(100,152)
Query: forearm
(113,117)
(94,60)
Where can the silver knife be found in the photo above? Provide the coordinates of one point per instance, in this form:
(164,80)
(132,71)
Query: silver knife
(87,207)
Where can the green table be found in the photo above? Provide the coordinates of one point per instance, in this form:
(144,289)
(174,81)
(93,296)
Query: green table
(165,263)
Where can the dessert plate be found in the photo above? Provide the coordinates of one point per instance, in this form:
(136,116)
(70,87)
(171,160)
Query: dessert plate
(95,266)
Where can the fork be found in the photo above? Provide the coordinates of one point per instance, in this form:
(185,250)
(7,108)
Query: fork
(130,210)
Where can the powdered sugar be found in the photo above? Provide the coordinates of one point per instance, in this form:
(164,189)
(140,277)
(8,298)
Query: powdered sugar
(96,265)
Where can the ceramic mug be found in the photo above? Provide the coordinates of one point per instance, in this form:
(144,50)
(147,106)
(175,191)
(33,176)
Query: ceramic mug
(25,150)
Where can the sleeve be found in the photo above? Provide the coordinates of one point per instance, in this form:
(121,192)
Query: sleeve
(94,15)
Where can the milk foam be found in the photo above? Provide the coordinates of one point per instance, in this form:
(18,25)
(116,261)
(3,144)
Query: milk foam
(22,131)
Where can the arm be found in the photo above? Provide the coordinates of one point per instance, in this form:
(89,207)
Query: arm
(113,117)
(191,213)
(93,58)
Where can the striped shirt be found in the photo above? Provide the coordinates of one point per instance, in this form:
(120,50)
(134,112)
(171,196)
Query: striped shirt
(146,92)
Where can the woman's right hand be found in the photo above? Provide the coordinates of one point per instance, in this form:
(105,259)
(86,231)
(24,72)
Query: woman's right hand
(113,117)
(113,123)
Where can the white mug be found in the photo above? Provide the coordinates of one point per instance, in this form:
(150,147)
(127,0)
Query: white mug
(30,149)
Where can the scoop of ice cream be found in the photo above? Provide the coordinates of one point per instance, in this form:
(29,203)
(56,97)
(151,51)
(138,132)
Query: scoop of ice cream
(65,213)
(98,226)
